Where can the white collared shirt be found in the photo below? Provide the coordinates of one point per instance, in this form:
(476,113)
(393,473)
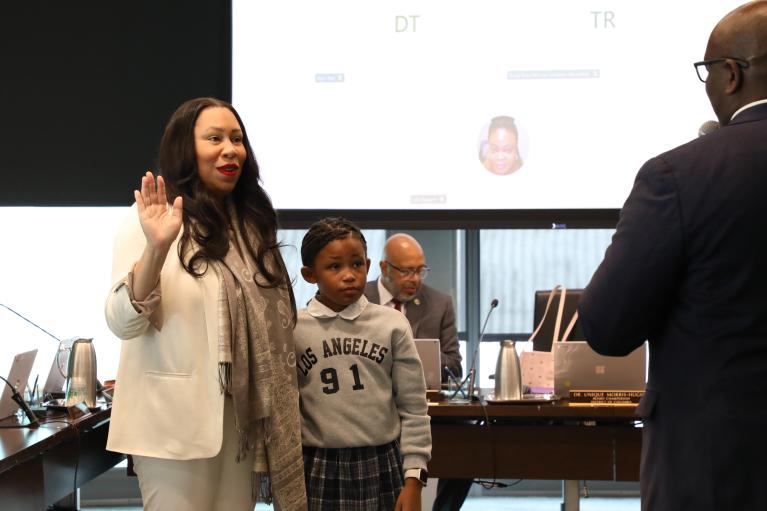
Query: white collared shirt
(386,297)
(746,107)
(317,309)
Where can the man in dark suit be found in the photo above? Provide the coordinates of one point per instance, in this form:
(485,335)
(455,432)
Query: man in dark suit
(687,270)
(429,311)
(431,316)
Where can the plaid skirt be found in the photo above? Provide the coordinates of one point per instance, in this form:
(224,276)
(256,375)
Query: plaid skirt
(353,478)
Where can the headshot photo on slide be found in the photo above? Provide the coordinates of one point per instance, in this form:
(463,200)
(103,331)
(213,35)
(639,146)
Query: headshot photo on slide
(502,145)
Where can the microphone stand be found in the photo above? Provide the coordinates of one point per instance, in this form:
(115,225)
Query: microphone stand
(61,343)
(470,376)
(33,422)
(30,322)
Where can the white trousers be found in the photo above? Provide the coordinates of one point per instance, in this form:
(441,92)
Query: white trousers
(212,484)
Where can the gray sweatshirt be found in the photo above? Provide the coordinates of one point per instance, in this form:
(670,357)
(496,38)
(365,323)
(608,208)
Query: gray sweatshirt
(361,380)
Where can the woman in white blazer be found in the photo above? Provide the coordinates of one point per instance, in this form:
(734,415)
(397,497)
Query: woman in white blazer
(202,302)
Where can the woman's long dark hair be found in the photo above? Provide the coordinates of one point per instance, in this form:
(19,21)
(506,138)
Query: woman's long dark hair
(206,233)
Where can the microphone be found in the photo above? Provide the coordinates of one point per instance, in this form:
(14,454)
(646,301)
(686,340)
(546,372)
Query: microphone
(30,322)
(708,127)
(63,345)
(33,422)
(473,370)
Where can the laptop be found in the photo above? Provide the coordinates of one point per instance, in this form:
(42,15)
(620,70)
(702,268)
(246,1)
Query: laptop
(17,376)
(577,366)
(54,384)
(429,353)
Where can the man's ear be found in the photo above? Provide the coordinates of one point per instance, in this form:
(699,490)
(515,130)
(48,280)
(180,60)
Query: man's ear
(735,82)
(307,272)
(367,263)
(381,265)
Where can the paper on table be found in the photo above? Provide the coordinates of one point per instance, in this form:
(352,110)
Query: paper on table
(538,370)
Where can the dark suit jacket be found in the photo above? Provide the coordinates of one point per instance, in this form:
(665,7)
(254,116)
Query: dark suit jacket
(687,270)
(431,316)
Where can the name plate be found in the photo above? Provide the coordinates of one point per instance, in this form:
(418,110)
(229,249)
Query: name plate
(605,397)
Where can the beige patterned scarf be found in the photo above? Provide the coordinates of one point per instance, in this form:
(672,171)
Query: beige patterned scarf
(257,363)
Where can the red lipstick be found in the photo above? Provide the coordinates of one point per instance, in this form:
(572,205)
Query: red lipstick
(229,170)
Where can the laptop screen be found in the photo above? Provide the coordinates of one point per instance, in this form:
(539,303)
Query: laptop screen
(17,376)
(577,366)
(428,351)
(55,381)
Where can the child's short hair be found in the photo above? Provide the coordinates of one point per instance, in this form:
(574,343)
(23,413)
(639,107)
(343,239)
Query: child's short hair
(323,232)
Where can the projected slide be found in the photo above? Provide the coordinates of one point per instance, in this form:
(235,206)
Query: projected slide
(450,104)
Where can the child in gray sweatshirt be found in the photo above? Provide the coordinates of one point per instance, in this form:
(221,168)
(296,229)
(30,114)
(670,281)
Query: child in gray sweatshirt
(363,396)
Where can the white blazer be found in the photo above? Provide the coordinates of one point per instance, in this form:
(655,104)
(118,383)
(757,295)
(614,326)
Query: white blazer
(167,400)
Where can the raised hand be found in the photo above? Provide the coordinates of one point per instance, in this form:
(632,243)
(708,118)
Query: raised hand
(160,225)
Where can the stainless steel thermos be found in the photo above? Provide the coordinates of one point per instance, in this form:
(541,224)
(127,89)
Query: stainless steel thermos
(508,375)
(81,374)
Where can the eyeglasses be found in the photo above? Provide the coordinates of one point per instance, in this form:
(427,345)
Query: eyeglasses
(421,272)
(701,68)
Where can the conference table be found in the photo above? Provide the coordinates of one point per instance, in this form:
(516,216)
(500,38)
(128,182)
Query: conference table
(42,468)
(547,440)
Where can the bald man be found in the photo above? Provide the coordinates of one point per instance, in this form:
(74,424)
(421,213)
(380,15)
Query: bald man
(429,311)
(687,270)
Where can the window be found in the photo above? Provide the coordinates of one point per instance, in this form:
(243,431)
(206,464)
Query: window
(516,263)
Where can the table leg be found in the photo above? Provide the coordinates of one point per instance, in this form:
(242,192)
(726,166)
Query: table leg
(69,503)
(570,495)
